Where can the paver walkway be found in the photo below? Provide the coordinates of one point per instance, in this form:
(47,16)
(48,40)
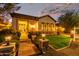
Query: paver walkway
(27,49)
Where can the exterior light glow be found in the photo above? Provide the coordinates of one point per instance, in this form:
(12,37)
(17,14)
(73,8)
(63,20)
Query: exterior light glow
(32,26)
(8,38)
(43,35)
(72,32)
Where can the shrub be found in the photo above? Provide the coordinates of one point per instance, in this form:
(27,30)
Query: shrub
(30,35)
(2,38)
(38,35)
(36,39)
(3,33)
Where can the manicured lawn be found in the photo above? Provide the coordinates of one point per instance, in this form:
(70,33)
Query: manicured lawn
(58,41)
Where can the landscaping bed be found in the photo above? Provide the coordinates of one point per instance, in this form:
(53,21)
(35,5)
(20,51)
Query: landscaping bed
(58,41)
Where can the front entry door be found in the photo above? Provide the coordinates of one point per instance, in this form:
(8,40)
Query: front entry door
(23,30)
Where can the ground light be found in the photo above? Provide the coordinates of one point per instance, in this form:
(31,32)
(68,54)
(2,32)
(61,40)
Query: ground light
(8,39)
(43,36)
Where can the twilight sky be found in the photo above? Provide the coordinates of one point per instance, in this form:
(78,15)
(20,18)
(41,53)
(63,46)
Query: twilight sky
(52,9)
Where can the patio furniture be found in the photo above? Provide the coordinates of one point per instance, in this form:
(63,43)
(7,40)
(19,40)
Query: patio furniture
(7,50)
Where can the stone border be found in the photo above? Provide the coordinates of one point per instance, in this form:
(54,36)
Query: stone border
(61,48)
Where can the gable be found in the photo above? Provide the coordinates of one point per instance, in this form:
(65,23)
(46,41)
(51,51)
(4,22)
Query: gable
(46,19)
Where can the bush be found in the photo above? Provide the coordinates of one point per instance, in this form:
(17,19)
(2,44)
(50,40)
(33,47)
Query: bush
(30,35)
(38,35)
(36,39)
(3,33)
(2,39)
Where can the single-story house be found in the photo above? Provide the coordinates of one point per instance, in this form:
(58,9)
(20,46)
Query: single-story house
(26,23)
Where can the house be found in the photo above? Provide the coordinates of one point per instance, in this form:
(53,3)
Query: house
(24,24)
(47,24)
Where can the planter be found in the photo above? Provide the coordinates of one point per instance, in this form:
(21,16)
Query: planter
(43,44)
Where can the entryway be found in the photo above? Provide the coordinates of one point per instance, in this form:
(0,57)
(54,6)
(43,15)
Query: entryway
(22,26)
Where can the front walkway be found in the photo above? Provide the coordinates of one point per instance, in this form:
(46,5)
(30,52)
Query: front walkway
(27,49)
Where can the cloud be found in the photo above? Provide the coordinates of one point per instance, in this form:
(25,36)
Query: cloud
(60,8)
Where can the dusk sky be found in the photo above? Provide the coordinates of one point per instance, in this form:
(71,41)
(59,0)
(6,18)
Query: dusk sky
(39,9)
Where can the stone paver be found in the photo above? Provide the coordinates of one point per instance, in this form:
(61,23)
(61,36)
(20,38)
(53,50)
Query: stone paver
(27,49)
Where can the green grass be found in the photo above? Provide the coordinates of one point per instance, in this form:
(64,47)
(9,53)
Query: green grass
(58,41)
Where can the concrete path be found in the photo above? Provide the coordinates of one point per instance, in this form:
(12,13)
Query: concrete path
(27,49)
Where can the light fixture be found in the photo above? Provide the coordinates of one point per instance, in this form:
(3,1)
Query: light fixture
(43,36)
(72,32)
(32,26)
(7,39)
